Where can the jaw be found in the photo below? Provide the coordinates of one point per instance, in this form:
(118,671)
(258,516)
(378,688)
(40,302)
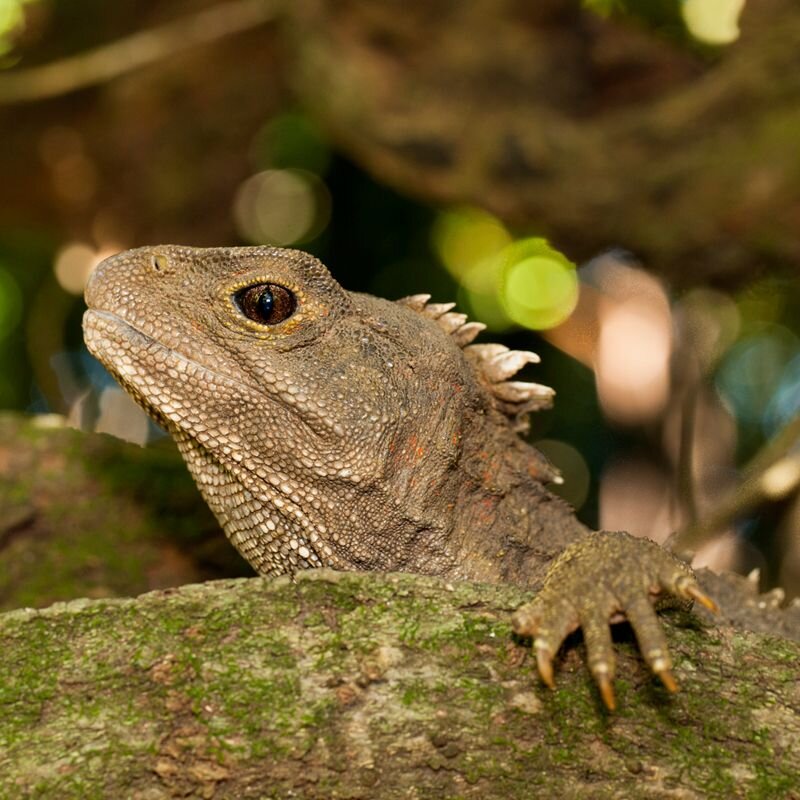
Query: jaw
(288,493)
(187,398)
(146,366)
(272,533)
(110,339)
(258,504)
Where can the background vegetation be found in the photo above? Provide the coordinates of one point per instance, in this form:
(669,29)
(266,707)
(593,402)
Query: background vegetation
(430,147)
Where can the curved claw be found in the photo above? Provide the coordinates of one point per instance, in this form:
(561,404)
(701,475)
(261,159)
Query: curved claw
(694,591)
(680,581)
(606,687)
(544,663)
(588,586)
(668,679)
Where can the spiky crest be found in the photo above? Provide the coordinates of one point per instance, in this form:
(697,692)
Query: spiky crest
(495,364)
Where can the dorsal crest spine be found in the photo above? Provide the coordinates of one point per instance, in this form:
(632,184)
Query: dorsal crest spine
(494,363)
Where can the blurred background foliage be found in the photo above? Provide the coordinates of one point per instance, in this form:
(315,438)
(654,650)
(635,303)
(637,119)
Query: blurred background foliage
(613,184)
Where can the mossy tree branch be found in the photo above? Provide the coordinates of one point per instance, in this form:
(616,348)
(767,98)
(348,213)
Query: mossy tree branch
(346,685)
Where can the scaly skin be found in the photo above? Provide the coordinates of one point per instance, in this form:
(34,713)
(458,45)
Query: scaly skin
(347,431)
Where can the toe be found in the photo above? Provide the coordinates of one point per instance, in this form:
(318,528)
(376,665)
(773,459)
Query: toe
(544,663)
(549,623)
(600,655)
(651,638)
(678,579)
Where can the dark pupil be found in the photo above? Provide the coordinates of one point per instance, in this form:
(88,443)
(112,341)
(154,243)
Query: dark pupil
(266,303)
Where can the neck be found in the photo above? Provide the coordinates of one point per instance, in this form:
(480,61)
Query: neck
(466,511)
(508,526)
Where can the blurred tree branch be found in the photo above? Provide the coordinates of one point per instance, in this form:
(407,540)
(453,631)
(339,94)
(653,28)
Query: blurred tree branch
(135,51)
(595,132)
(773,473)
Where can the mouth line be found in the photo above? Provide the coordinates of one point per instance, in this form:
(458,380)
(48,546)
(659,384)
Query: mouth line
(118,320)
(125,326)
(316,425)
(178,431)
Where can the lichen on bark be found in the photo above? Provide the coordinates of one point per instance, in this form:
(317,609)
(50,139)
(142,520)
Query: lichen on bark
(353,685)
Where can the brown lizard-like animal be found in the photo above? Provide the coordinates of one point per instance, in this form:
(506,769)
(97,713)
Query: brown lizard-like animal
(329,428)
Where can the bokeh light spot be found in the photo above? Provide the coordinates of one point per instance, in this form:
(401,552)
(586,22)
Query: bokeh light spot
(784,403)
(282,207)
(634,344)
(781,478)
(468,241)
(485,308)
(73,265)
(12,20)
(713,21)
(632,363)
(752,371)
(539,287)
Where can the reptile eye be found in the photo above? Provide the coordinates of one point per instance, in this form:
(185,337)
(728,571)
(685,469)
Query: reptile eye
(266,303)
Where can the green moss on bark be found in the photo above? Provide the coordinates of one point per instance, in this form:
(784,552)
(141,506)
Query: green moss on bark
(346,685)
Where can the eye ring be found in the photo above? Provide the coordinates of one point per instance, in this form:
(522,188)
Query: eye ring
(266,303)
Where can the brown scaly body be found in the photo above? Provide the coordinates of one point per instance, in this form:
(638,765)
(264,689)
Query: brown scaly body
(328,428)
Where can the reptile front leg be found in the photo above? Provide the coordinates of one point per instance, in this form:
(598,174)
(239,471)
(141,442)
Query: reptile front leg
(595,582)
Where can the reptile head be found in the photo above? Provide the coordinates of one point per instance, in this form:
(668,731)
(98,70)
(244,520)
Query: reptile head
(322,426)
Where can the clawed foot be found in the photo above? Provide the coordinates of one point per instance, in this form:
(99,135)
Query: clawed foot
(600,580)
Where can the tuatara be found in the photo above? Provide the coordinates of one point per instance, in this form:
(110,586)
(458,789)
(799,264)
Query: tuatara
(329,428)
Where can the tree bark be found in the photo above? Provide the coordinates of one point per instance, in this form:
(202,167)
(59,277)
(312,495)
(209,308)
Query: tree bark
(92,516)
(361,686)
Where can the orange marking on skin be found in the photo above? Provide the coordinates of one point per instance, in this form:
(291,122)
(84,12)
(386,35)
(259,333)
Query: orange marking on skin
(415,449)
(486,509)
(533,471)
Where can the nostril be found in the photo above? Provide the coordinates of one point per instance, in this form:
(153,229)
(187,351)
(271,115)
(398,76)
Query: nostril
(158,262)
